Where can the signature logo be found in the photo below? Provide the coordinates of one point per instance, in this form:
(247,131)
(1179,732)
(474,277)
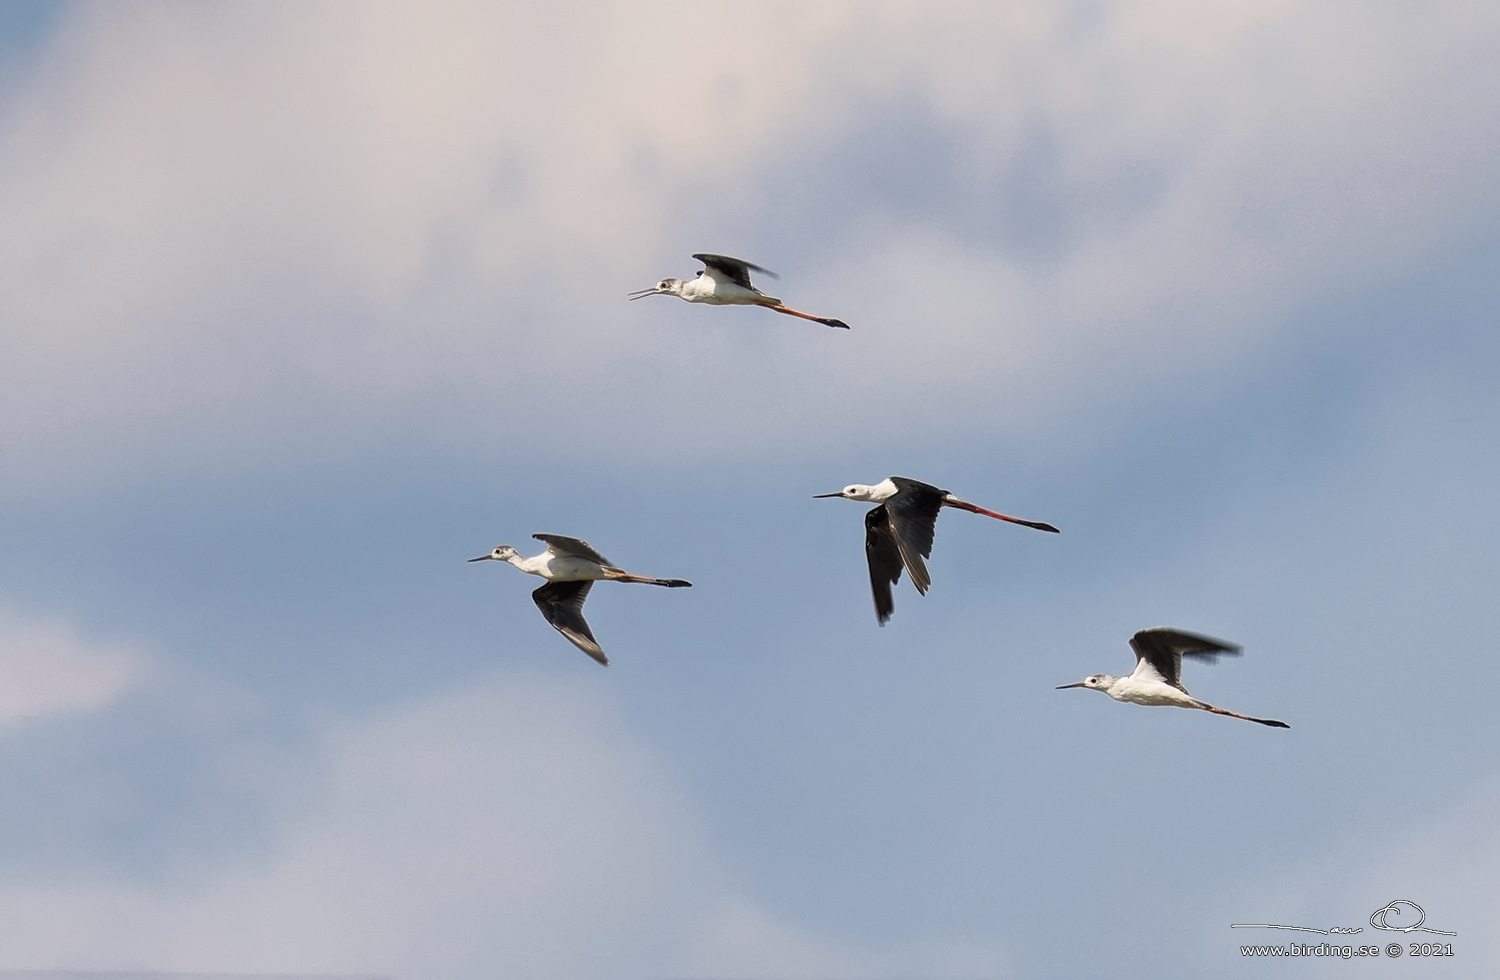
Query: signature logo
(1379,920)
(1388,918)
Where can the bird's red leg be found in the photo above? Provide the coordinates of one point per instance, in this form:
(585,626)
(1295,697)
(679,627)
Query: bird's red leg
(976,509)
(671,583)
(1258,721)
(825,320)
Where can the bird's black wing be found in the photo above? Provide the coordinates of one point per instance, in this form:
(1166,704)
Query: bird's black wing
(573,547)
(914,511)
(562,605)
(1163,648)
(884,557)
(738,270)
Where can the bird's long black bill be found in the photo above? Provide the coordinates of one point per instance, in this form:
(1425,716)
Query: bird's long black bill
(1064,687)
(642,293)
(820,496)
(480,558)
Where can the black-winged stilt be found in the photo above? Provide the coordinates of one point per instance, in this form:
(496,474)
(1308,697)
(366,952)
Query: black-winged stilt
(1157,678)
(571,568)
(725,281)
(898,533)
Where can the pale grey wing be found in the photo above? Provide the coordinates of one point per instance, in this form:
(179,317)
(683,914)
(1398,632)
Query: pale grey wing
(1162,648)
(574,547)
(913,516)
(738,270)
(562,605)
(884,557)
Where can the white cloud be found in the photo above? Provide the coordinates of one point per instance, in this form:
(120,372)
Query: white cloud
(254,229)
(514,829)
(46,669)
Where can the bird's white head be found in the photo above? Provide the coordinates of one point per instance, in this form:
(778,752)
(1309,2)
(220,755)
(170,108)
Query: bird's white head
(854,491)
(1095,682)
(503,553)
(670,286)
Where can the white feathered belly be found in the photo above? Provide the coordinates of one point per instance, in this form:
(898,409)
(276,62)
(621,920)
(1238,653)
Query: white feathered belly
(1153,694)
(568,568)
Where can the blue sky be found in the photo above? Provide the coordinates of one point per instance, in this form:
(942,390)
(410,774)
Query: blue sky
(303,305)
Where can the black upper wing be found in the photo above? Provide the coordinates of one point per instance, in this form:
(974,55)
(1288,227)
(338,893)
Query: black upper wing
(562,605)
(738,270)
(914,511)
(884,557)
(1163,648)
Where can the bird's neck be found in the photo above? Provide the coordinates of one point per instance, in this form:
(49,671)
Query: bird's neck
(529,565)
(883,491)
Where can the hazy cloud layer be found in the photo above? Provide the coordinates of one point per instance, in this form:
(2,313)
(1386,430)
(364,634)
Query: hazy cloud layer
(517,827)
(301,305)
(1447,866)
(48,669)
(236,232)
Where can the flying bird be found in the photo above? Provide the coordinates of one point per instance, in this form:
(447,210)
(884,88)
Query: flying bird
(725,281)
(571,568)
(898,532)
(1157,678)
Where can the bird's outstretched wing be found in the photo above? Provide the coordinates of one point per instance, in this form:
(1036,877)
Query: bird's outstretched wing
(562,605)
(561,545)
(884,556)
(1162,648)
(738,270)
(914,510)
